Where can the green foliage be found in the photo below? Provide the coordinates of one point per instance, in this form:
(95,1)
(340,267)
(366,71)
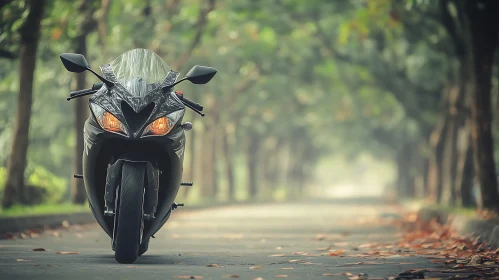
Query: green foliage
(53,186)
(42,209)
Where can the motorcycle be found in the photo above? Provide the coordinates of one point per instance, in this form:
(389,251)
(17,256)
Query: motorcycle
(134,145)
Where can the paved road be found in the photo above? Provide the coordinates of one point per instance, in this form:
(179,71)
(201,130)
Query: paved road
(270,241)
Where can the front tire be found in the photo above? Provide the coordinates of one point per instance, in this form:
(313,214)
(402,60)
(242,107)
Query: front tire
(129,215)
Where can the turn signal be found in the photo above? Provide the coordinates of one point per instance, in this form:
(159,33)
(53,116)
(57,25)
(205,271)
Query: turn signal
(111,123)
(160,126)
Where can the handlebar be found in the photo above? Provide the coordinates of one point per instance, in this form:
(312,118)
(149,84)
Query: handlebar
(193,104)
(95,88)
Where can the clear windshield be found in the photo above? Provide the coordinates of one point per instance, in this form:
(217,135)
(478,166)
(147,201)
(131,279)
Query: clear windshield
(140,71)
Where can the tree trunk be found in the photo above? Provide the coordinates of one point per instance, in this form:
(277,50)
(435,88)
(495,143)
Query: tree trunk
(484,25)
(252,162)
(465,171)
(434,179)
(29,37)
(208,162)
(86,10)
(229,171)
(78,193)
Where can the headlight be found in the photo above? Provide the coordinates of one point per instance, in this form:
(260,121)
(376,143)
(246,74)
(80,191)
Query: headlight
(163,125)
(107,120)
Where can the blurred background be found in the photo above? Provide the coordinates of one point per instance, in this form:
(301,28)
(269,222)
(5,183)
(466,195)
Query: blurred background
(312,98)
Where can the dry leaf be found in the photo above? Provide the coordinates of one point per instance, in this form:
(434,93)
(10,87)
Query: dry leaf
(286,268)
(323,248)
(230,276)
(336,253)
(39,250)
(65,224)
(294,261)
(259,278)
(331,274)
(256,267)
(214,265)
(319,237)
(67,253)
(22,260)
(279,248)
(281,276)
(277,255)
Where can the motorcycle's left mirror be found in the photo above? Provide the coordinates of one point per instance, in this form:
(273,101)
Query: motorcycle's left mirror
(74,62)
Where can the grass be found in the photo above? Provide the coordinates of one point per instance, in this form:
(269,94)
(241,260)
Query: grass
(42,209)
(464,211)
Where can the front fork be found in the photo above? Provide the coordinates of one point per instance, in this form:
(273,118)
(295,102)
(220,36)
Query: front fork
(151,184)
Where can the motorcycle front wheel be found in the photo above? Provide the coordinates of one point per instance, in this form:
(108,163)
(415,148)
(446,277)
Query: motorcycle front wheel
(129,221)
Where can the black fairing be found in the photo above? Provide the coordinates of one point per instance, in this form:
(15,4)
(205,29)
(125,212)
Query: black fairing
(111,100)
(163,152)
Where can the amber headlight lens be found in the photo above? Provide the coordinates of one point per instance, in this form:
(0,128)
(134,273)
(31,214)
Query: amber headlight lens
(163,125)
(107,120)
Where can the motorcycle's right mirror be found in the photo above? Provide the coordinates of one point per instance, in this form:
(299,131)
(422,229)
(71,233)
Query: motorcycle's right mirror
(74,62)
(200,74)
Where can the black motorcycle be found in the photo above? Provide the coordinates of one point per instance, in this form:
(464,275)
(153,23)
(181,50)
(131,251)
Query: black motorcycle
(134,145)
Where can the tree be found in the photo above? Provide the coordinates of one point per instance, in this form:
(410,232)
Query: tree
(28,44)
(484,29)
(86,10)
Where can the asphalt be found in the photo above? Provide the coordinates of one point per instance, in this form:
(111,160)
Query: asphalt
(265,241)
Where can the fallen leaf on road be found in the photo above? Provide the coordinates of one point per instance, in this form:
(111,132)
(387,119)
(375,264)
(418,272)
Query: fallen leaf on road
(256,267)
(39,250)
(189,277)
(281,276)
(323,248)
(336,253)
(67,253)
(259,278)
(277,255)
(230,276)
(332,274)
(22,260)
(286,268)
(56,234)
(311,263)
(65,224)
(24,235)
(279,248)
(294,261)
(301,253)
(214,265)
(319,237)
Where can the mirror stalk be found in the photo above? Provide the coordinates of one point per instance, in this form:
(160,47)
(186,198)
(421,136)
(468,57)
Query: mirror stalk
(108,83)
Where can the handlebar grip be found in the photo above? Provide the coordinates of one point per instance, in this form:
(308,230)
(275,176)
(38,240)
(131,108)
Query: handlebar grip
(193,104)
(77,92)
(97,86)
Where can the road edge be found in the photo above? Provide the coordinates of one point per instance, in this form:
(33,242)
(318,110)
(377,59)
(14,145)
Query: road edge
(487,230)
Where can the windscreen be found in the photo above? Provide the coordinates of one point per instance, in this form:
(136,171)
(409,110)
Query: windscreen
(140,71)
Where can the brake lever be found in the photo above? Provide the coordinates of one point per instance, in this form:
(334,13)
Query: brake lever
(194,109)
(80,95)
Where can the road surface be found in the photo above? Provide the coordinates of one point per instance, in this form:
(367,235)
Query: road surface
(270,241)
